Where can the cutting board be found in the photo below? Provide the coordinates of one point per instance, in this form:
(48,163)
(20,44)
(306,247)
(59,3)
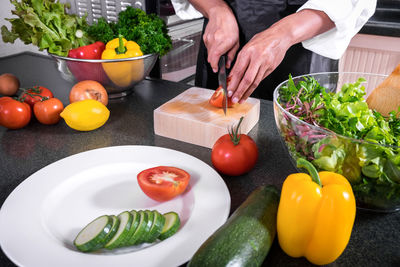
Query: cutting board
(189,117)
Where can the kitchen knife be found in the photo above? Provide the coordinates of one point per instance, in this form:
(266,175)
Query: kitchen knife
(222,81)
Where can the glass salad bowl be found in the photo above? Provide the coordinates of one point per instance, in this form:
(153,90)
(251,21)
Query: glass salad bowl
(347,138)
(118,76)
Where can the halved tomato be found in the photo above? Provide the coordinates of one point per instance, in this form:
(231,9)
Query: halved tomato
(163,183)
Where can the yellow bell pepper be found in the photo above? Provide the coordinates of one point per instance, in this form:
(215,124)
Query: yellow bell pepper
(315,215)
(123,73)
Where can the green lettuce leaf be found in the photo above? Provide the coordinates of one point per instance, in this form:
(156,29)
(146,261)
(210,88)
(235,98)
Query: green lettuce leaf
(45,23)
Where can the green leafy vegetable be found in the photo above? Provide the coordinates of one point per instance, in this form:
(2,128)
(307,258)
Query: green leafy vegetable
(369,158)
(45,24)
(102,30)
(148,30)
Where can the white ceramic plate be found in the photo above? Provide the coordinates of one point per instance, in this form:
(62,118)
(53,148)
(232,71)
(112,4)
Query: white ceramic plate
(43,215)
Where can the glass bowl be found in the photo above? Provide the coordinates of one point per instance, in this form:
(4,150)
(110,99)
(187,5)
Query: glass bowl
(118,76)
(334,152)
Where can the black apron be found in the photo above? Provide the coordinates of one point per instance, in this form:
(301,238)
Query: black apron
(254,16)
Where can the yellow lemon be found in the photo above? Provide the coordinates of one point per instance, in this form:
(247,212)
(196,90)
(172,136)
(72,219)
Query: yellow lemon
(85,115)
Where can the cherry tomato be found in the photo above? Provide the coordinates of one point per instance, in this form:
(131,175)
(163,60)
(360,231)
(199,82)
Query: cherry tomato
(163,183)
(36,92)
(48,111)
(218,96)
(88,90)
(14,114)
(234,154)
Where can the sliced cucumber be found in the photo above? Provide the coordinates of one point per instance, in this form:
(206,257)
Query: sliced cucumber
(92,236)
(150,217)
(156,227)
(171,226)
(125,221)
(141,229)
(113,229)
(134,225)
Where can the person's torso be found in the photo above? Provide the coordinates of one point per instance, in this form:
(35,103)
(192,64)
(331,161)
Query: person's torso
(254,16)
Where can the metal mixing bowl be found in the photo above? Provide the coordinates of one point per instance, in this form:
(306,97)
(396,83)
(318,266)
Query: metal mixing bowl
(118,76)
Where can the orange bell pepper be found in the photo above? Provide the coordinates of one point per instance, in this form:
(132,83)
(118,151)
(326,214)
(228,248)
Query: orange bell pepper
(315,215)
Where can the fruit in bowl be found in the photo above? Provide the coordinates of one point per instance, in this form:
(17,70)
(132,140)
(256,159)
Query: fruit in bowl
(77,46)
(325,119)
(117,75)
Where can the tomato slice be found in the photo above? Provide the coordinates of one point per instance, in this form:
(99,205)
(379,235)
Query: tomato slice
(163,183)
(217,98)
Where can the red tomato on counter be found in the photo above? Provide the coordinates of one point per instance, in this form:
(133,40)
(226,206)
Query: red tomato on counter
(48,111)
(13,113)
(163,183)
(33,95)
(234,154)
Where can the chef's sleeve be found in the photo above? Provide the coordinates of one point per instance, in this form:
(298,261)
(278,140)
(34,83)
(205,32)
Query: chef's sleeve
(184,10)
(349,17)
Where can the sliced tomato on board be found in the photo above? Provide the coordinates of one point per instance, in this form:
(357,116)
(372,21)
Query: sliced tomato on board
(163,183)
(218,96)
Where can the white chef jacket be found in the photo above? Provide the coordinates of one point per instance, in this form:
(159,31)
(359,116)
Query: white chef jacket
(349,17)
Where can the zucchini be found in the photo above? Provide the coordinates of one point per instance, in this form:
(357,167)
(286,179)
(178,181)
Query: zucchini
(92,236)
(113,230)
(134,225)
(246,237)
(127,229)
(125,221)
(171,226)
(156,227)
(145,237)
(140,231)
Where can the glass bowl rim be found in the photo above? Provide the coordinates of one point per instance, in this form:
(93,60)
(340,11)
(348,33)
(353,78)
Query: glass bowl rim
(318,128)
(102,60)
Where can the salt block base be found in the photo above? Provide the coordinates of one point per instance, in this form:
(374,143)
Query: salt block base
(190,118)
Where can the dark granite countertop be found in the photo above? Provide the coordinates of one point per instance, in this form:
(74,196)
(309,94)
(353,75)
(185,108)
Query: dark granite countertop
(375,239)
(386,19)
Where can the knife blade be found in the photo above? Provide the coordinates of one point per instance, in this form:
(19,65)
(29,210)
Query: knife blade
(222,81)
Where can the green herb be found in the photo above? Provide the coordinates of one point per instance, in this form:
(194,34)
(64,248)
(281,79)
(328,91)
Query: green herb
(102,30)
(45,23)
(373,170)
(148,30)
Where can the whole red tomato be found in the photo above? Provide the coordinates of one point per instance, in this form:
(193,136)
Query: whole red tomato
(163,183)
(48,111)
(14,114)
(35,94)
(234,154)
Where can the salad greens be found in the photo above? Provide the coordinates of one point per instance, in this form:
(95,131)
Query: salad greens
(148,30)
(369,158)
(45,23)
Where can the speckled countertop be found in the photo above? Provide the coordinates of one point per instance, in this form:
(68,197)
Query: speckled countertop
(375,239)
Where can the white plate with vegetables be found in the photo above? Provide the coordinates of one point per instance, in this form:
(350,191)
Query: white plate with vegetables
(41,218)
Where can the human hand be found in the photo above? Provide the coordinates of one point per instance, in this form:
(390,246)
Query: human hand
(255,61)
(221,36)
